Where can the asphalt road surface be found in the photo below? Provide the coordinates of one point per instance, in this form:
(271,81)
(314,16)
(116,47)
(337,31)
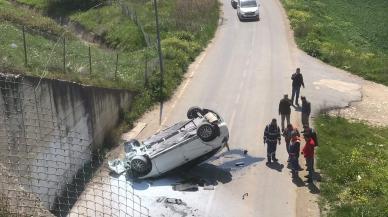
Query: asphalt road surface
(242,75)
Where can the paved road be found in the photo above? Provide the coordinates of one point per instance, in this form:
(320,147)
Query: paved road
(243,75)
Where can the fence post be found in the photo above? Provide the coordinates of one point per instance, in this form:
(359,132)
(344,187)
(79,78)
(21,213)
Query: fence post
(117,63)
(90,62)
(64,55)
(146,68)
(25,47)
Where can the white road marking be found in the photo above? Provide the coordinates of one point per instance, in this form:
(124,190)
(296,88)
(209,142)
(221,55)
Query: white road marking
(241,85)
(248,61)
(231,122)
(237,98)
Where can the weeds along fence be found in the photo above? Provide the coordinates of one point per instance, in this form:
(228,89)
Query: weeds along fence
(40,53)
(131,13)
(49,169)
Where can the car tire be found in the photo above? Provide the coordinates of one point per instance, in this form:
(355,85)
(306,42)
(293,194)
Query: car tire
(140,165)
(207,132)
(192,113)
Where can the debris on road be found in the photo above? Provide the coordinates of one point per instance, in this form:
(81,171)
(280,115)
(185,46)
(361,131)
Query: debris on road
(208,187)
(239,164)
(174,201)
(118,166)
(185,187)
(160,199)
(244,195)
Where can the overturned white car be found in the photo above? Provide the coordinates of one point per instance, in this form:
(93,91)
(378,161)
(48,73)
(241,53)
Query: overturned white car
(187,142)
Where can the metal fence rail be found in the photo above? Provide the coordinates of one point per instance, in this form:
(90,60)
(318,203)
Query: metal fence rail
(48,168)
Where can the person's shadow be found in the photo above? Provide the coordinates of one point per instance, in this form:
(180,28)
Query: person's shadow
(313,188)
(298,181)
(310,185)
(275,166)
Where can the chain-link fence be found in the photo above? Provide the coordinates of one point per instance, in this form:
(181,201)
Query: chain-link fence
(43,53)
(48,168)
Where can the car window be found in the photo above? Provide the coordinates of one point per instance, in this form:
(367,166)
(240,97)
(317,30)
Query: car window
(247,4)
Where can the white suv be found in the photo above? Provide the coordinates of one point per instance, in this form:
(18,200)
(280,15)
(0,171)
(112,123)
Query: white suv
(186,143)
(248,10)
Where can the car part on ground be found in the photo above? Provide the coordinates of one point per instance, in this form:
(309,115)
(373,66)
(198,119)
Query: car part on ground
(188,142)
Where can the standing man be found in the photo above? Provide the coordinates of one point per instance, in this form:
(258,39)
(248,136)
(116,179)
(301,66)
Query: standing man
(288,134)
(285,110)
(294,149)
(271,137)
(306,110)
(310,132)
(308,153)
(297,82)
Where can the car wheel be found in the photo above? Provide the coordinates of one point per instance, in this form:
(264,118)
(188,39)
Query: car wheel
(193,112)
(140,166)
(206,132)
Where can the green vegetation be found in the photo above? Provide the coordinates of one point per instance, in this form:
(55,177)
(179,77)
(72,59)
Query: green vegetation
(22,16)
(353,158)
(45,58)
(349,34)
(117,31)
(127,27)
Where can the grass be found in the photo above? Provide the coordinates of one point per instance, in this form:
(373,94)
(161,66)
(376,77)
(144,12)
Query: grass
(353,158)
(117,31)
(186,28)
(25,17)
(349,34)
(45,58)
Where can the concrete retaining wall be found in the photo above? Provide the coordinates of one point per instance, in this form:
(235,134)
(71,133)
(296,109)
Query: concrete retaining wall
(49,129)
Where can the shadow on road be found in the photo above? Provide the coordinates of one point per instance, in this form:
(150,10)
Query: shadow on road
(230,158)
(204,174)
(276,166)
(298,182)
(211,174)
(313,188)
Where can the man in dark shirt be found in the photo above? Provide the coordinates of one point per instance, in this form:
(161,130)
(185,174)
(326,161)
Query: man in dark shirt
(294,149)
(271,137)
(285,110)
(306,110)
(297,82)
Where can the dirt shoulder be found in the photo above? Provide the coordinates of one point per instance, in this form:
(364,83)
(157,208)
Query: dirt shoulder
(372,109)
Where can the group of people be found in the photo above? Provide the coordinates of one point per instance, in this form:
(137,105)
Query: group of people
(273,133)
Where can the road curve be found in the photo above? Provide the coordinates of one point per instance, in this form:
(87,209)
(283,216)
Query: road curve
(242,75)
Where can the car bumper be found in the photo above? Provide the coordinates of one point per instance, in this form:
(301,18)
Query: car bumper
(249,16)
